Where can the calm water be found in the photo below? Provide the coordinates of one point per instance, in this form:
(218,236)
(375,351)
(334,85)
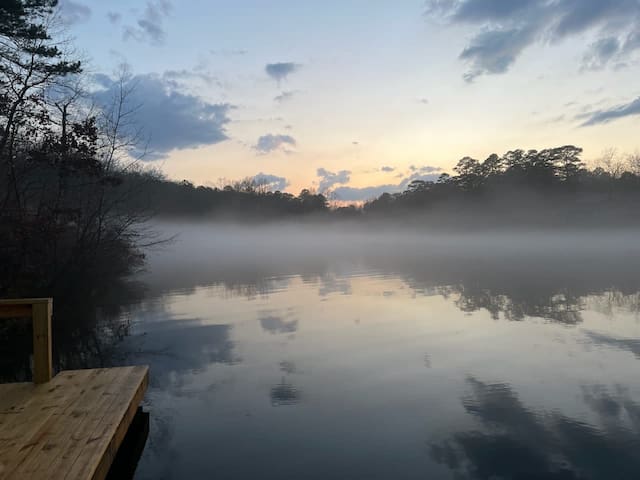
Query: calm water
(286,354)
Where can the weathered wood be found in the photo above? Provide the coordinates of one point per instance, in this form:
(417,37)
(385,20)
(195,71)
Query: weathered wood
(12,310)
(111,430)
(23,301)
(20,307)
(42,358)
(30,416)
(40,310)
(70,427)
(48,443)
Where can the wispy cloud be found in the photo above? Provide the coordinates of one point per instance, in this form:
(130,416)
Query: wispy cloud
(600,53)
(150,25)
(229,53)
(114,17)
(507,28)
(185,78)
(74,12)
(285,96)
(613,113)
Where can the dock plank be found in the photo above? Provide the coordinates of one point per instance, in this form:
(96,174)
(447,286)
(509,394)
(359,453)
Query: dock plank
(40,402)
(70,427)
(62,426)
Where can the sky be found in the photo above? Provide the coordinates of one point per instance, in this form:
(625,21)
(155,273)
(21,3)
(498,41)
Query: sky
(358,97)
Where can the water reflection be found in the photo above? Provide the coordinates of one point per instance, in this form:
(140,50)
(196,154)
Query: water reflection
(349,358)
(284,393)
(288,367)
(513,441)
(175,347)
(87,330)
(275,324)
(509,276)
(626,344)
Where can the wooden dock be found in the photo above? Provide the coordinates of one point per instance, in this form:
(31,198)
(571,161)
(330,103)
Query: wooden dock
(69,426)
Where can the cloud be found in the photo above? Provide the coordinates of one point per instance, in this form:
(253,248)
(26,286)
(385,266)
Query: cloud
(632,42)
(356,194)
(506,28)
(577,16)
(273,182)
(329,179)
(388,169)
(421,176)
(74,12)
(280,71)
(114,17)
(269,142)
(600,52)
(427,169)
(285,96)
(229,53)
(613,113)
(494,51)
(102,80)
(173,120)
(149,27)
(186,78)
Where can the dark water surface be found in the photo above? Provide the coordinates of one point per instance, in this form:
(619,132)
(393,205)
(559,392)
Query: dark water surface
(282,355)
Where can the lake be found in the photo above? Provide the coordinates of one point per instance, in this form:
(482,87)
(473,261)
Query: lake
(329,352)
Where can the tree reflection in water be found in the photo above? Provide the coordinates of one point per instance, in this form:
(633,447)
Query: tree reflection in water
(87,330)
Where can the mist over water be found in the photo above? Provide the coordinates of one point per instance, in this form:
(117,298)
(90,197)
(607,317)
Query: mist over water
(341,351)
(205,254)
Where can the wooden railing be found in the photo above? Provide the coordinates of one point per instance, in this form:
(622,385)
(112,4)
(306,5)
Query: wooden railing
(39,309)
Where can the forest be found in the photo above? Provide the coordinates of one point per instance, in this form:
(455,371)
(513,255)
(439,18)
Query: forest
(522,187)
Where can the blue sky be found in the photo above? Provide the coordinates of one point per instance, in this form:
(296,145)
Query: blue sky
(362,96)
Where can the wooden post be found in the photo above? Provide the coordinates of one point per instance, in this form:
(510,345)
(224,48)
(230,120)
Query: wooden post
(39,309)
(41,318)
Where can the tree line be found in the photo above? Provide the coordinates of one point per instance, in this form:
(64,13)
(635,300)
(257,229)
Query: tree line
(243,199)
(519,187)
(527,187)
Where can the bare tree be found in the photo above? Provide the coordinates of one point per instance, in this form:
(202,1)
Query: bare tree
(633,162)
(610,162)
